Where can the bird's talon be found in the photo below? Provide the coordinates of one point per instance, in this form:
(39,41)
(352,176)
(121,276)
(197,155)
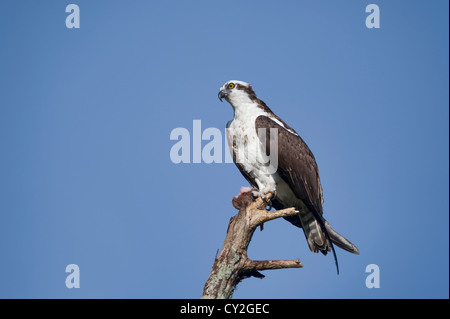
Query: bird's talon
(267,202)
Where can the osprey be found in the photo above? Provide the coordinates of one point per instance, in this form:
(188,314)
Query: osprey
(295,178)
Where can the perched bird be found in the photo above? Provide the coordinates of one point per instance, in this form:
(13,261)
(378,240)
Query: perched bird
(290,172)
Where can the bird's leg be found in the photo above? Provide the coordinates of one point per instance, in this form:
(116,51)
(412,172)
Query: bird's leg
(262,193)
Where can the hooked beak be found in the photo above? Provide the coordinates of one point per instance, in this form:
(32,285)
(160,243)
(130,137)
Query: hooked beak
(222,94)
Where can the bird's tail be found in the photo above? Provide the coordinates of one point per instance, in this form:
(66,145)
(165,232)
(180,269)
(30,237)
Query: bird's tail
(317,238)
(340,240)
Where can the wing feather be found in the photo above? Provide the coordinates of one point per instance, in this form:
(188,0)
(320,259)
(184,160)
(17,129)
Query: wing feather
(296,163)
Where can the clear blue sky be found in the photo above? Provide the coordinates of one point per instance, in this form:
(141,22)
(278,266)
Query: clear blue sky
(86,115)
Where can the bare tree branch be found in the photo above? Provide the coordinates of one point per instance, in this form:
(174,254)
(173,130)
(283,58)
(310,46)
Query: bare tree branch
(271,264)
(262,216)
(233,265)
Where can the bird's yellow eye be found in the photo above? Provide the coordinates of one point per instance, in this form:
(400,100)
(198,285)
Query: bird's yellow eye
(231,86)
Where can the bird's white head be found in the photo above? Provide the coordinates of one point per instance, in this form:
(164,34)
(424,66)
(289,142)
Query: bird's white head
(237,93)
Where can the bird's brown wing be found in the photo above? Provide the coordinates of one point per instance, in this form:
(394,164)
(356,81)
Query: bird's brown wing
(296,163)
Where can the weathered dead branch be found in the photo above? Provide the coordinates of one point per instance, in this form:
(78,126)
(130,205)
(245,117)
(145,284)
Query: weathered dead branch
(233,264)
